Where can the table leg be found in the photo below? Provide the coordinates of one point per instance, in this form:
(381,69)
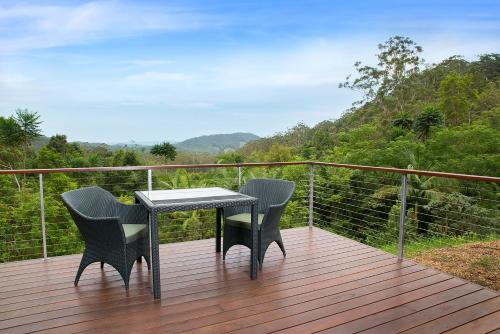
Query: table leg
(218,228)
(253,251)
(155,255)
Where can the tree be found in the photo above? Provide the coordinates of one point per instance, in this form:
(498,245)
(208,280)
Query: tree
(489,66)
(430,117)
(58,143)
(399,60)
(457,98)
(165,150)
(29,125)
(421,189)
(403,121)
(10,131)
(230,158)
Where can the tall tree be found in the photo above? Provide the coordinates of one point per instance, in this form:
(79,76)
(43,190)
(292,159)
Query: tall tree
(388,84)
(457,98)
(29,125)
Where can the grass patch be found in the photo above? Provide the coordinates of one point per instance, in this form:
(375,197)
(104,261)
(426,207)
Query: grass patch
(468,257)
(415,248)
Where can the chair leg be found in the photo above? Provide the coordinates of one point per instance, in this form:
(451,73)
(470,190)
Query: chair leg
(83,264)
(282,247)
(102,264)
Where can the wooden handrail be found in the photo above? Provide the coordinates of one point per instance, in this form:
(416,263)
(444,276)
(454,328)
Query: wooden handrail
(153,167)
(255,164)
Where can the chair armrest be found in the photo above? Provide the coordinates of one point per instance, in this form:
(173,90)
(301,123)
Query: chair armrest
(272,216)
(133,214)
(103,230)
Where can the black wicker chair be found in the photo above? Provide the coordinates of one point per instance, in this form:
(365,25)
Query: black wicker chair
(114,233)
(273,197)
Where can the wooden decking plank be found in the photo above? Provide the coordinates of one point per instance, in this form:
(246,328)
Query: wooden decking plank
(121,290)
(115,279)
(337,293)
(270,301)
(408,322)
(241,291)
(326,317)
(103,302)
(408,315)
(486,324)
(294,315)
(459,318)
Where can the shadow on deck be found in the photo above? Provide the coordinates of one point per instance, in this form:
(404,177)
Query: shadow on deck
(327,283)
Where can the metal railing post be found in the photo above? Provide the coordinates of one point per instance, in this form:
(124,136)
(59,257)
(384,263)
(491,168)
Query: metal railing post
(239,177)
(311,194)
(42,213)
(402,214)
(150,180)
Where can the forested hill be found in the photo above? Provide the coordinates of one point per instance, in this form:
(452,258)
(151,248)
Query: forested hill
(212,144)
(216,143)
(442,116)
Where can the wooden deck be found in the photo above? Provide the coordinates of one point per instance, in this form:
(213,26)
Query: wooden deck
(326,284)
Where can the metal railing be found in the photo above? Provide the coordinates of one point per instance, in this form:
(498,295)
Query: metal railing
(383,207)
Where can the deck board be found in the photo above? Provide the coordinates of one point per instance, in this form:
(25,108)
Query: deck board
(326,284)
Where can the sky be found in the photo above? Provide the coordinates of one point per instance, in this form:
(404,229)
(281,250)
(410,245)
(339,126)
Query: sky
(149,71)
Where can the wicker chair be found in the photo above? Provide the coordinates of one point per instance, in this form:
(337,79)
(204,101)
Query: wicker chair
(114,233)
(273,197)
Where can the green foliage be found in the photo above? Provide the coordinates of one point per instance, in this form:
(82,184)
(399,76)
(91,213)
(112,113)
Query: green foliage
(165,150)
(430,117)
(458,97)
(388,83)
(230,158)
(10,131)
(403,121)
(29,125)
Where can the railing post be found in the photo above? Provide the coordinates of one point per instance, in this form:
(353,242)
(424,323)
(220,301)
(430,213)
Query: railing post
(42,213)
(402,214)
(150,180)
(311,194)
(239,177)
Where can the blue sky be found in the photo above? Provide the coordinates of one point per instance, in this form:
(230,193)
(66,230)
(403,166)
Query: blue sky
(115,71)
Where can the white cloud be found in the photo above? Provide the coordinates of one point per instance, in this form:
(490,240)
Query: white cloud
(43,26)
(148,62)
(151,78)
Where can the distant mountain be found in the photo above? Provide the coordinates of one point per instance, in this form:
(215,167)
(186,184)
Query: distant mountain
(216,143)
(213,144)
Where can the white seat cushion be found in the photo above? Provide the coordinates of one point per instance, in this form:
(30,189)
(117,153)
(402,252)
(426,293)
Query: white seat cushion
(242,220)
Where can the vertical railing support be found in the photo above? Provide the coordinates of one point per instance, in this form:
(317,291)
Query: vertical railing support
(402,214)
(150,180)
(42,213)
(239,177)
(311,195)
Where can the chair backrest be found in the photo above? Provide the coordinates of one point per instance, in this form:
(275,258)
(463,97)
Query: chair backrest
(93,202)
(269,191)
(86,205)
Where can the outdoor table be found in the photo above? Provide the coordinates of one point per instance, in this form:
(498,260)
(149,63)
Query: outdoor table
(158,201)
